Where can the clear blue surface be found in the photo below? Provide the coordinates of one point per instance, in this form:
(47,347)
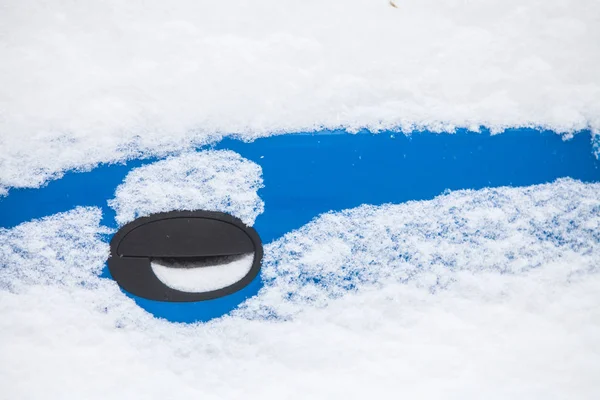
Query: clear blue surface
(308,174)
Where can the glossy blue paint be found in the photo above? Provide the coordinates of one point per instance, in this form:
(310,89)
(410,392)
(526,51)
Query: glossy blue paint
(308,174)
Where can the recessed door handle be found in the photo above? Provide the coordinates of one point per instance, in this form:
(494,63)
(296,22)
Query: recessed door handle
(184,256)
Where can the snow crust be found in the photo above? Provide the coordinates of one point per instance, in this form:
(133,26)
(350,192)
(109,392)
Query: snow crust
(208,180)
(491,293)
(83,83)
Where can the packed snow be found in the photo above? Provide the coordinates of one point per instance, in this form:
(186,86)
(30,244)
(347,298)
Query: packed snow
(88,82)
(203,276)
(474,294)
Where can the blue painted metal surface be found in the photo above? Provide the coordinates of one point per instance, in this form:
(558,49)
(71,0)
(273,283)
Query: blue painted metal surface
(308,174)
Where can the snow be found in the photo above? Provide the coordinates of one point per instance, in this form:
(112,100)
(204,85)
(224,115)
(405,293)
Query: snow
(474,294)
(32,253)
(203,276)
(208,180)
(85,83)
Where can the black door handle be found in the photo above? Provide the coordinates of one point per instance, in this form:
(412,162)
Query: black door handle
(180,239)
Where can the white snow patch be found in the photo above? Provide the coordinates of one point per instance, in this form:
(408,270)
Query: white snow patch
(63,249)
(493,234)
(432,299)
(200,277)
(83,83)
(209,180)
